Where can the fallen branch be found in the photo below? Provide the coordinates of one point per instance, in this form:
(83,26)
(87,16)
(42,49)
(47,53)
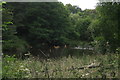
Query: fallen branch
(43,53)
(78,68)
(84,67)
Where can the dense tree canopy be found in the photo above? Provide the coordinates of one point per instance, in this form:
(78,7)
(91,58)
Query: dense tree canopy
(105,27)
(43,25)
(11,42)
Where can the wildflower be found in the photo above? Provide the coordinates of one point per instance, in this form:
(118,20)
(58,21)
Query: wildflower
(22,66)
(87,74)
(83,75)
(27,54)
(26,69)
(36,71)
(26,76)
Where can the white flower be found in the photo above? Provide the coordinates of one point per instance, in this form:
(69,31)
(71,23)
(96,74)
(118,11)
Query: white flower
(26,69)
(83,75)
(22,66)
(87,74)
(36,71)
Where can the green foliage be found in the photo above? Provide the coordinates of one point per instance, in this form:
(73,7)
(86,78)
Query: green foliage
(44,23)
(12,68)
(65,67)
(80,24)
(100,45)
(81,27)
(106,25)
(11,42)
(118,50)
(73,9)
(14,45)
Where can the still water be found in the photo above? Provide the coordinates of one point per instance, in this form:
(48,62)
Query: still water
(60,52)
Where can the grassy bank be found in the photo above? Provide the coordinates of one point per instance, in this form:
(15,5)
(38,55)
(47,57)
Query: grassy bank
(64,67)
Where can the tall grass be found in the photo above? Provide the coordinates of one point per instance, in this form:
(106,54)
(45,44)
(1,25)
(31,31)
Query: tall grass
(64,67)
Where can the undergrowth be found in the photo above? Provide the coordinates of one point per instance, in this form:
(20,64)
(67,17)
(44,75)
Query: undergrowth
(64,67)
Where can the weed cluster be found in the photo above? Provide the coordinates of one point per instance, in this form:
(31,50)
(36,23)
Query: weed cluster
(64,67)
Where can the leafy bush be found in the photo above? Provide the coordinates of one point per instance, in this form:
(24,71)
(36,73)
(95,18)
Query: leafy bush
(13,68)
(14,46)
